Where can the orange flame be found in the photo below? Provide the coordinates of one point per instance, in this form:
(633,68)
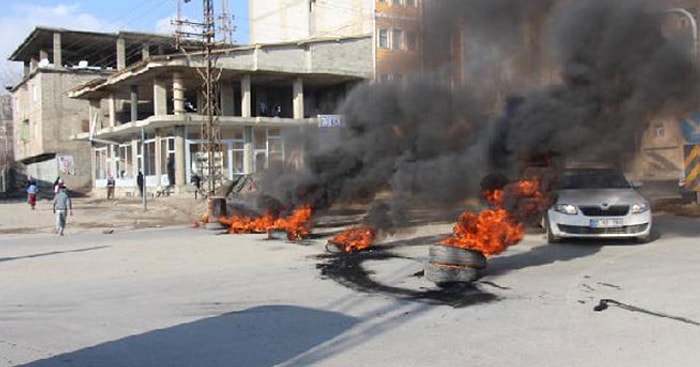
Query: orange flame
(493,230)
(355,239)
(494,197)
(241,224)
(490,232)
(297,225)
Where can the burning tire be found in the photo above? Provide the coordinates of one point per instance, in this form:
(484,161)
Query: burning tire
(456,256)
(444,275)
(448,265)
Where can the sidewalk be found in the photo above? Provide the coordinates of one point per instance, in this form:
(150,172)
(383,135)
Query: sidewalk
(98,214)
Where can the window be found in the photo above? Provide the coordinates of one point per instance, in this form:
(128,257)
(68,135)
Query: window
(383,38)
(24,131)
(269,147)
(397,39)
(101,163)
(150,160)
(411,41)
(167,154)
(124,166)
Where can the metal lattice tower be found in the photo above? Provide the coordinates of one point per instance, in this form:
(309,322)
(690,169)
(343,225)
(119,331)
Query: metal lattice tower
(211,132)
(210,137)
(226,27)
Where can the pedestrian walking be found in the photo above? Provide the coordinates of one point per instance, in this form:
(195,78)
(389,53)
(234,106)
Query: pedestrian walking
(57,185)
(139,183)
(197,182)
(110,187)
(32,190)
(62,205)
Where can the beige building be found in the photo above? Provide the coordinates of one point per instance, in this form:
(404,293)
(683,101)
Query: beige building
(45,118)
(393,24)
(265,93)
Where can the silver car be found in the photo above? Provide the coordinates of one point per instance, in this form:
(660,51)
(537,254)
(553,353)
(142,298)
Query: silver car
(597,203)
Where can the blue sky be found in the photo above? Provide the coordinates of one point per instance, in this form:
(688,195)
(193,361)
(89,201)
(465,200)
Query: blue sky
(19,17)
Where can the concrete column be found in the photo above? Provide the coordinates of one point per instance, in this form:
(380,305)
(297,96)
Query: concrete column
(27,68)
(298,102)
(121,53)
(158,159)
(134,99)
(145,51)
(200,103)
(135,161)
(160,97)
(43,55)
(245,96)
(113,163)
(180,169)
(112,101)
(248,150)
(227,98)
(33,63)
(57,51)
(94,109)
(178,94)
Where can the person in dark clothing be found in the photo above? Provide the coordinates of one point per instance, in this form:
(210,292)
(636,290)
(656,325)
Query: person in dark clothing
(110,187)
(171,171)
(139,183)
(197,182)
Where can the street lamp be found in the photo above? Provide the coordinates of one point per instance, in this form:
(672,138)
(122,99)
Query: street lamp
(693,27)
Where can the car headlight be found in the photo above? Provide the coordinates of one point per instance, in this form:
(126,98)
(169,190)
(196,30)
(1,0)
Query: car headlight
(566,209)
(639,208)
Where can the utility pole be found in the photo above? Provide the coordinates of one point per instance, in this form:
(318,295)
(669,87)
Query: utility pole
(210,138)
(226,28)
(210,130)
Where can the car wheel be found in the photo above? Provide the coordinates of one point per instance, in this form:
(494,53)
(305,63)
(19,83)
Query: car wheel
(551,238)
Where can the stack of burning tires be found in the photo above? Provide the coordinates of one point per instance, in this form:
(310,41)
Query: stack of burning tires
(448,265)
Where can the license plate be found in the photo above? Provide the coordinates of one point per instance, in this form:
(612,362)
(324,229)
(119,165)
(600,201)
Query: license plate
(606,223)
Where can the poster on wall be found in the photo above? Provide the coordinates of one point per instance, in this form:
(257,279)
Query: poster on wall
(66,164)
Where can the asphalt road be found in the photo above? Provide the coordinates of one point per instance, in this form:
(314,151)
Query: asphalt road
(189,297)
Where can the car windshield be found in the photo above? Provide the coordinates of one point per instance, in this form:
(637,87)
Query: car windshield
(593,179)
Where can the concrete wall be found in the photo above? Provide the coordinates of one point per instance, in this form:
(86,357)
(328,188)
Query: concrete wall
(274,21)
(64,117)
(352,57)
(333,18)
(27,103)
(53,119)
(278,20)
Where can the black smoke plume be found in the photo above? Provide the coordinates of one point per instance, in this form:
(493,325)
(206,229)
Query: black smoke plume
(577,79)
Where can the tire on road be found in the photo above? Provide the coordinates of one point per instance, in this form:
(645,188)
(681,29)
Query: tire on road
(444,275)
(456,256)
(449,265)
